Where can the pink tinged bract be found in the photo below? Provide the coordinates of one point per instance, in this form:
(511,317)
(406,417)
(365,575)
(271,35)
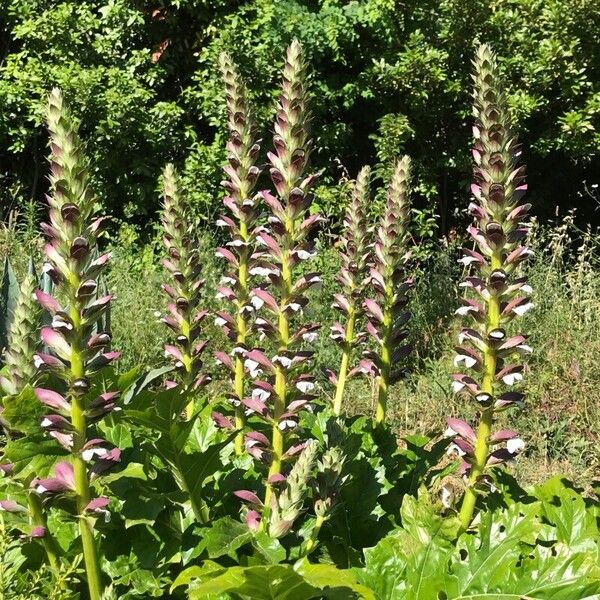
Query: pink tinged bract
(248,496)
(52,399)
(63,480)
(56,342)
(462,428)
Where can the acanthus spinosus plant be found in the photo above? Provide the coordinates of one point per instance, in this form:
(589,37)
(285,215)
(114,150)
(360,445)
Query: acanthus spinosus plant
(242,173)
(500,291)
(354,256)
(184,292)
(387,310)
(23,339)
(76,346)
(286,382)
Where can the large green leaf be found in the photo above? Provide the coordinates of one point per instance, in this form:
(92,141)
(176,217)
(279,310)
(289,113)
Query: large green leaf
(513,553)
(33,455)
(272,582)
(333,581)
(409,563)
(225,536)
(24,411)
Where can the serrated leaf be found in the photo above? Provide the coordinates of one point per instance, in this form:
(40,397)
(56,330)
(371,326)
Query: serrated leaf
(24,412)
(333,581)
(270,548)
(225,536)
(33,455)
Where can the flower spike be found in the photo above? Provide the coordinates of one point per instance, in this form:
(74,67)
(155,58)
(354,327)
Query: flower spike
(76,346)
(500,291)
(354,260)
(285,383)
(184,290)
(242,173)
(23,340)
(386,312)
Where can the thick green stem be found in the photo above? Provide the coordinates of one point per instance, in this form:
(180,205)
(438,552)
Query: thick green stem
(311,544)
(199,507)
(383,381)
(82,486)
(240,374)
(39,520)
(343,372)
(487,416)
(280,388)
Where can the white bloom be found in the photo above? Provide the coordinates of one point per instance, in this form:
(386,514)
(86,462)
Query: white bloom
(457,386)
(523,308)
(464,358)
(512,378)
(305,255)
(88,454)
(515,445)
(284,361)
(453,449)
(220,321)
(465,310)
(260,394)
(257,302)
(305,386)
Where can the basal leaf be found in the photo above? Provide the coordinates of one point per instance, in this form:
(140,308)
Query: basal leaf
(270,548)
(33,455)
(225,536)
(338,583)
(24,412)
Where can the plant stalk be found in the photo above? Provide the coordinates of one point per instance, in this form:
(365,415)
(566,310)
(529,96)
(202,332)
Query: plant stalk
(311,544)
(82,486)
(487,416)
(279,404)
(39,520)
(343,373)
(383,381)
(239,377)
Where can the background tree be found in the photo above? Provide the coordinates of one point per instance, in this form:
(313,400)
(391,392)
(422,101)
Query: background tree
(389,79)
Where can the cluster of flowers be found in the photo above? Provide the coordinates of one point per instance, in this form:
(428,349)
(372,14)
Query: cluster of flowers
(499,291)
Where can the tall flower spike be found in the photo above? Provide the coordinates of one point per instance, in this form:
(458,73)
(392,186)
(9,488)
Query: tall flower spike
(354,258)
(184,290)
(499,291)
(288,505)
(286,388)
(76,348)
(23,339)
(386,311)
(242,173)
(328,483)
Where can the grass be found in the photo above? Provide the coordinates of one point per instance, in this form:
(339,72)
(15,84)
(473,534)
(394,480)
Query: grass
(561,420)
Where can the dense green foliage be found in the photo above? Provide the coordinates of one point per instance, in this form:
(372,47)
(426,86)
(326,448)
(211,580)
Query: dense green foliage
(388,78)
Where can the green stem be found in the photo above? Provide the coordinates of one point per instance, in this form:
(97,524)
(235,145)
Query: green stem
(38,519)
(239,377)
(383,381)
(343,372)
(280,387)
(82,486)
(487,416)
(311,544)
(201,512)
